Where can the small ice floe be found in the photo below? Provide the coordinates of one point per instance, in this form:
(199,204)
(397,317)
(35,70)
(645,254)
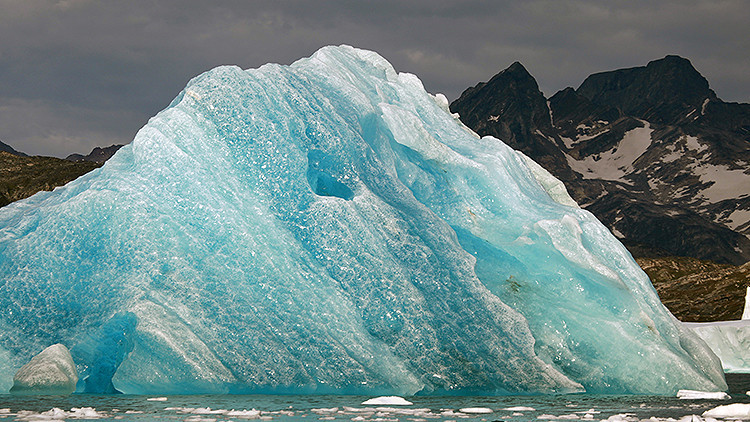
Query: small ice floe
(730,411)
(156,399)
(244,414)
(388,400)
(571,416)
(622,417)
(88,413)
(702,395)
(325,410)
(475,410)
(208,411)
(520,409)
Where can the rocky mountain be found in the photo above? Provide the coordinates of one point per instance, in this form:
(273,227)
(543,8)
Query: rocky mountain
(650,150)
(97,155)
(9,149)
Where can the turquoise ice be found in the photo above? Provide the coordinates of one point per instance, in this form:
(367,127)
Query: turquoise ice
(329,227)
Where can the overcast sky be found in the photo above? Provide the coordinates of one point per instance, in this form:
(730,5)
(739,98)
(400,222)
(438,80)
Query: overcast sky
(75,74)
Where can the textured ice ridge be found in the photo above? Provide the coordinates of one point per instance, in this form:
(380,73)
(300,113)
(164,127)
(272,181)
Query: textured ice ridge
(329,226)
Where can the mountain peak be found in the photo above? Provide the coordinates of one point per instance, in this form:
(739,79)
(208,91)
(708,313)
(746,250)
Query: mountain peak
(512,94)
(517,67)
(662,91)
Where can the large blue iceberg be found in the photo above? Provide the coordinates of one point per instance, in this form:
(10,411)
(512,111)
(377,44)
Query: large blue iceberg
(329,227)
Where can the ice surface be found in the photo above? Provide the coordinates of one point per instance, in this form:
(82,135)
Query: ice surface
(703,395)
(475,410)
(388,400)
(730,411)
(329,227)
(52,371)
(730,340)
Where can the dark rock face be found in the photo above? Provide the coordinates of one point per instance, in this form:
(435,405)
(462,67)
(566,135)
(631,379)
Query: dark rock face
(650,150)
(97,155)
(511,107)
(661,92)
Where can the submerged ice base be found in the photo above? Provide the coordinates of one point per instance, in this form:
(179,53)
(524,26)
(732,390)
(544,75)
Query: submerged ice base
(329,227)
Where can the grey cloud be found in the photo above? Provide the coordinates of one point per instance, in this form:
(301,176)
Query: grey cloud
(108,58)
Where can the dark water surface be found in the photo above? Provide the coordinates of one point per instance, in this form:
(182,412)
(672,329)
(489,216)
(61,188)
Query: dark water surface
(215,408)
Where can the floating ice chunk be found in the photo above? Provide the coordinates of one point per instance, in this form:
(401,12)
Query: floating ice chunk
(622,417)
(730,411)
(243,414)
(696,395)
(57,414)
(208,411)
(388,400)
(520,409)
(50,372)
(156,399)
(477,410)
(325,410)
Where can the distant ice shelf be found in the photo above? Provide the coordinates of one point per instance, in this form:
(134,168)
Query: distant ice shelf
(330,227)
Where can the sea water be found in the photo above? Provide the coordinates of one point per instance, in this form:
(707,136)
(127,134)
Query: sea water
(344,408)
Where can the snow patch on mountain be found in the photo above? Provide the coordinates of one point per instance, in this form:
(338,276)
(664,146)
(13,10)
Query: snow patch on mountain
(614,164)
(738,220)
(691,142)
(725,183)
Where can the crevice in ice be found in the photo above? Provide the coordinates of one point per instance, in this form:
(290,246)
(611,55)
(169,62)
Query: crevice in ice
(321,180)
(99,354)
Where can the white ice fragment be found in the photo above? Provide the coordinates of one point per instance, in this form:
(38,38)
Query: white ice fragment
(50,372)
(520,409)
(730,411)
(325,410)
(156,399)
(698,395)
(388,400)
(57,414)
(208,411)
(476,410)
(691,418)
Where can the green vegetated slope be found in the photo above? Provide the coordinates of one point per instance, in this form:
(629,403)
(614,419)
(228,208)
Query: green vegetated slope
(696,290)
(21,177)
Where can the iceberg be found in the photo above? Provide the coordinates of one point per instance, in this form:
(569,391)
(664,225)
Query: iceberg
(330,227)
(729,340)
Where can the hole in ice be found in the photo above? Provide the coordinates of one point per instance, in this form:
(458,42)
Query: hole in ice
(321,180)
